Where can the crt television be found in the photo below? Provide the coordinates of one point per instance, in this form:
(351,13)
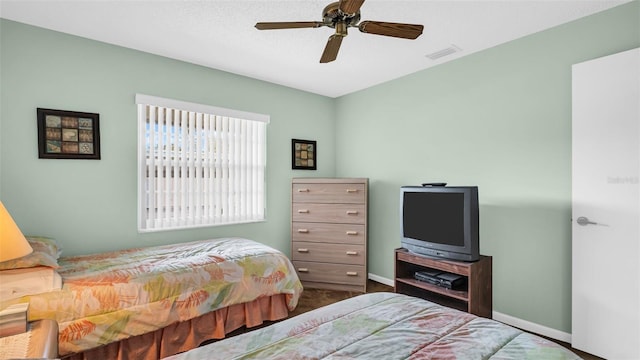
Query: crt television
(440,221)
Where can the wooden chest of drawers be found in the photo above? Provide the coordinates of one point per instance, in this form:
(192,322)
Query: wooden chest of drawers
(329,232)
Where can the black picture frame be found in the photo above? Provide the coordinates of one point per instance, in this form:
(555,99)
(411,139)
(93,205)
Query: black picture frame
(304,154)
(66,134)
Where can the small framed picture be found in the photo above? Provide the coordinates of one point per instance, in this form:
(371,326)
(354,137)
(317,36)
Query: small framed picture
(304,154)
(68,134)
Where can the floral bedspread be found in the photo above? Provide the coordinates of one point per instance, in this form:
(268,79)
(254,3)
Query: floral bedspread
(110,296)
(383,326)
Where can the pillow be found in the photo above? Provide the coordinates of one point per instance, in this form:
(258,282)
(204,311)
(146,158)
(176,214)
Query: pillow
(45,253)
(45,244)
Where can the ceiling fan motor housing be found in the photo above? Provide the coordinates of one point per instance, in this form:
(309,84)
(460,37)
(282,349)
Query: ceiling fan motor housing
(332,16)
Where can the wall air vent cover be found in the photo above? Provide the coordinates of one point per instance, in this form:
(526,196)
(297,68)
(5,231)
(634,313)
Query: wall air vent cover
(444,52)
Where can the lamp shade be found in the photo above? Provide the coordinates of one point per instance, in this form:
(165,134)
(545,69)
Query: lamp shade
(12,243)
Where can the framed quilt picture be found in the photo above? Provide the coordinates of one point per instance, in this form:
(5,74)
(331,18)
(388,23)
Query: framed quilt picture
(68,135)
(303,154)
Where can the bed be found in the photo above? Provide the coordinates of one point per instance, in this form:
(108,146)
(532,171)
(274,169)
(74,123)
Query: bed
(382,326)
(149,303)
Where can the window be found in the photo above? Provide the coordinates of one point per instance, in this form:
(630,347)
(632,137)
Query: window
(199,165)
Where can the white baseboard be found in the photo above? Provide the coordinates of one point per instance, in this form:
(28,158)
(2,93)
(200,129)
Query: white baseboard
(380,279)
(504,318)
(532,327)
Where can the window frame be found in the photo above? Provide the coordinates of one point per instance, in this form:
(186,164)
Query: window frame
(155,223)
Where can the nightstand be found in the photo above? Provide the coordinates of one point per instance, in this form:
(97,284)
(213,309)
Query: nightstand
(43,343)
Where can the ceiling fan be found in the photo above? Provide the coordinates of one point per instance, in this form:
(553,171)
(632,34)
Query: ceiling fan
(340,16)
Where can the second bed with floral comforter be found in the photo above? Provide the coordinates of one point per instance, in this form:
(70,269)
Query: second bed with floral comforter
(383,326)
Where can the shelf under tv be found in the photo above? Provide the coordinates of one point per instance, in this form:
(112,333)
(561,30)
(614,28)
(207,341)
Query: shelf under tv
(476,298)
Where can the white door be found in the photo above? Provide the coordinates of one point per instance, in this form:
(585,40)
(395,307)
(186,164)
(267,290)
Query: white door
(605,206)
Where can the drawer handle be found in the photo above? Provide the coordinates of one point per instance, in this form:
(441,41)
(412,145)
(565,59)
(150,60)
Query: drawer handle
(351,232)
(303,190)
(303,250)
(352,273)
(304,270)
(304,231)
(352,212)
(352,253)
(352,190)
(303,211)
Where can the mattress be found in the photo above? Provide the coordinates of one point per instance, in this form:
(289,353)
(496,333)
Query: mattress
(383,326)
(16,283)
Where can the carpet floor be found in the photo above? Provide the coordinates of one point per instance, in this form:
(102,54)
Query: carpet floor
(315,298)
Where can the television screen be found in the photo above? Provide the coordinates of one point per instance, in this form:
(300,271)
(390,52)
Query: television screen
(434,217)
(440,221)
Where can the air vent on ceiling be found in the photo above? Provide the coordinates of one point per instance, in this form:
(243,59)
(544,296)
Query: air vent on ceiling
(444,52)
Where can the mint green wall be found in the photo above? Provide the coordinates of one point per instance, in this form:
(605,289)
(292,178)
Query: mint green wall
(499,119)
(90,206)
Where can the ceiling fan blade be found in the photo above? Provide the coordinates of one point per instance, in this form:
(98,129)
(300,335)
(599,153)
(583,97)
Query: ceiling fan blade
(350,6)
(406,31)
(288,25)
(331,49)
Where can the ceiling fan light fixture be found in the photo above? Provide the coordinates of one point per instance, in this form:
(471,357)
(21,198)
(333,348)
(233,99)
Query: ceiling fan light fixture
(341,28)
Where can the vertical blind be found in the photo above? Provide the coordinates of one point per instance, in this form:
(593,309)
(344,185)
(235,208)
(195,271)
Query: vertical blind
(199,165)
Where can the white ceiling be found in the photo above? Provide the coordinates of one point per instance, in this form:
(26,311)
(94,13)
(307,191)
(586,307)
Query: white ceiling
(221,34)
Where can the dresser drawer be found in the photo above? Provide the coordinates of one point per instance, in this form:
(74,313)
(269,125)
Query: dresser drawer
(345,193)
(330,213)
(336,253)
(329,233)
(331,273)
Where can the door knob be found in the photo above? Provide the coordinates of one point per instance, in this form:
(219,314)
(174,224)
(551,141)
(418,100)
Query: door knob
(584,221)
